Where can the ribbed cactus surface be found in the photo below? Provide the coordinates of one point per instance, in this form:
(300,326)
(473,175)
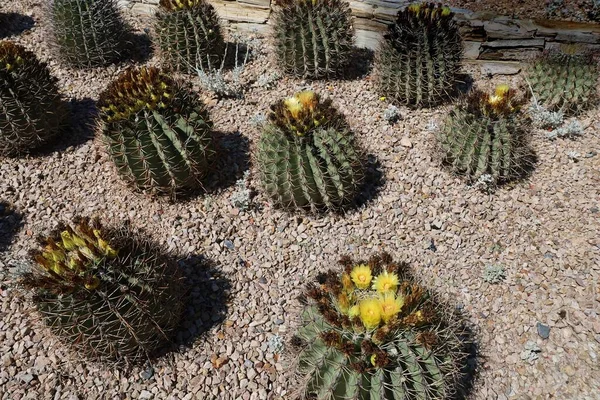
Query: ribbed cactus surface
(107,293)
(564,81)
(31,108)
(307,156)
(374,333)
(157,131)
(189,35)
(88,33)
(419,59)
(313,38)
(485,136)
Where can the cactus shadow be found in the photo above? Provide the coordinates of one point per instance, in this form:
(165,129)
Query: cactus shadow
(11,222)
(232,160)
(15,24)
(374,181)
(359,65)
(464,84)
(140,49)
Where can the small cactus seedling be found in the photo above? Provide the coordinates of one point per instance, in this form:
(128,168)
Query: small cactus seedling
(88,33)
(374,333)
(307,157)
(32,111)
(484,135)
(564,80)
(189,35)
(107,293)
(157,131)
(418,62)
(313,38)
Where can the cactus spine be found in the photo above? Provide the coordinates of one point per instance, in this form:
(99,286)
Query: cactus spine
(107,293)
(313,38)
(32,111)
(418,62)
(307,157)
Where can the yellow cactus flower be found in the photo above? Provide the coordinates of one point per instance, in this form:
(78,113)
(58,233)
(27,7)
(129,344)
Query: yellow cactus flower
(308,99)
(92,284)
(445,11)
(354,311)
(373,359)
(502,90)
(385,282)
(370,313)
(390,306)
(347,282)
(343,303)
(67,240)
(414,7)
(293,105)
(361,276)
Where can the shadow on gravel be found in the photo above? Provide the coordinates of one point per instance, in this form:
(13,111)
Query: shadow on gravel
(374,181)
(361,64)
(140,49)
(471,368)
(14,24)
(464,84)
(10,223)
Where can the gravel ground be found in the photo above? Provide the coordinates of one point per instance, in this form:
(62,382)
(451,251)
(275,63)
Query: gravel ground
(544,232)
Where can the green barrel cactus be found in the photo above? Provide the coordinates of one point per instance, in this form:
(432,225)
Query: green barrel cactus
(564,80)
(107,293)
(307,157)
(484,137)
(374,333)
(418,62)
(32,111)
(157,131)
(189,35)
(313,38)
(89,33)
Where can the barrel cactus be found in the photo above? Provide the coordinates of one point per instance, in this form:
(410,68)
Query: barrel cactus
(484,137)
(418,61)
(157,131)
(374,333)
(564,80)
(313,38)
(107,293)
(189,35)
(307,157)
(32,111)
(88,33)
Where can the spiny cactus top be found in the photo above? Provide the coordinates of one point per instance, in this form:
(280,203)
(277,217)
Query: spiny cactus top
(484,137)
(109,294)
(565,80)
(374,333)
(31,108)
(418,62)
(313,38)
(307,157)
(158,132)
(189,35)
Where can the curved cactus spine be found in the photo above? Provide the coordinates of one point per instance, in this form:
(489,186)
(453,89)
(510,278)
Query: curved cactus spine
(107,293)
(32,111)
(88,33)
(307,157)
(189,35)
(313,38)
(374,333)
(157,131)
(418,62)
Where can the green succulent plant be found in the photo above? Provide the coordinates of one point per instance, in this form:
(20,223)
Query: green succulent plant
(189,35)
(374,333)
(107,293)
(307,157)
(484,136)
(32,111)
(89,33)
(313,38)
(157,131)
(564,80)
(419,59)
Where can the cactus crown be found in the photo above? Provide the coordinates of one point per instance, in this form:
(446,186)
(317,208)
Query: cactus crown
(300,114)
(416,16)
(12,55)
(136,89)
(502,103)
(174,5)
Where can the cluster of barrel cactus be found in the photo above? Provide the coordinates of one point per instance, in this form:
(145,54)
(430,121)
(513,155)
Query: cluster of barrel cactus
(374,333)
(109,294)
(157,131)
(89,33)
(189,35)
(307,157)
(32,111)
(313,38)
(484,135)
(419,59)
